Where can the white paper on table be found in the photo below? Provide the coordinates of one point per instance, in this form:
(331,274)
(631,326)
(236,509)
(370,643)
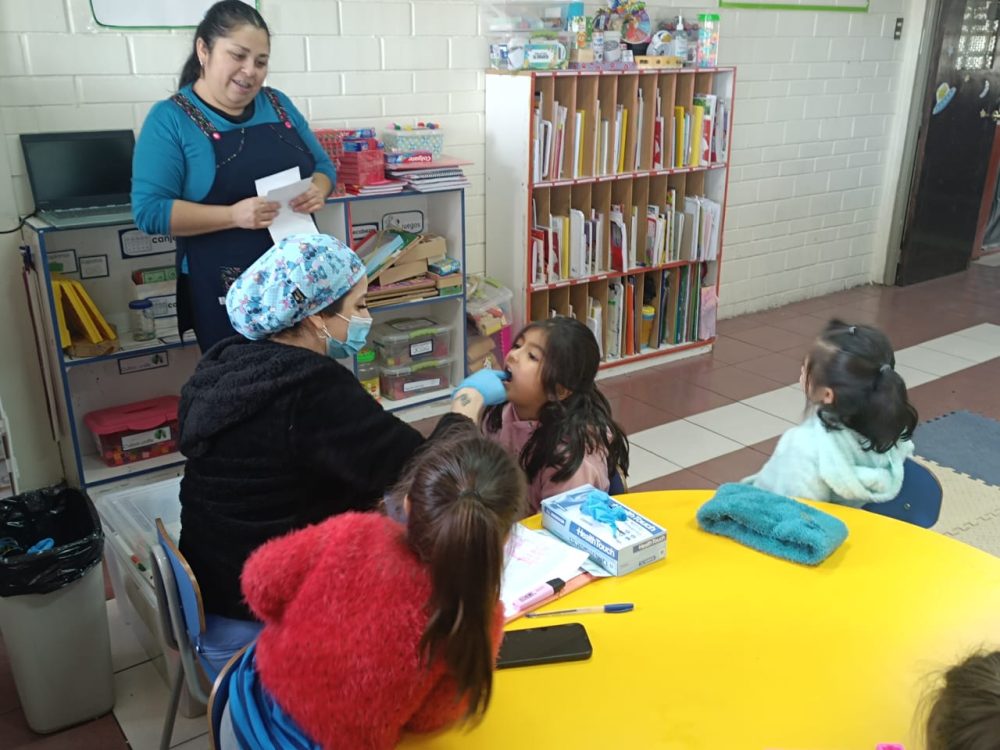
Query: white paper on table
(277,180)
(532,558)
(287,221)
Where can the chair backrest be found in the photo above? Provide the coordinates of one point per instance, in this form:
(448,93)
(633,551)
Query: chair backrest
(919,499)
(220,697)
(177,588)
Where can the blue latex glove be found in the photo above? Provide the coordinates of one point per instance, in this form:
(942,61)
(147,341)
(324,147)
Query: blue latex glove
(598,507)
(489,383)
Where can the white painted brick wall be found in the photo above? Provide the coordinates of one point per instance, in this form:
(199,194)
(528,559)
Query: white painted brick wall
(817,94)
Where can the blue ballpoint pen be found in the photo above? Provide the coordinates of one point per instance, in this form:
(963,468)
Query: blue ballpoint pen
(613,609)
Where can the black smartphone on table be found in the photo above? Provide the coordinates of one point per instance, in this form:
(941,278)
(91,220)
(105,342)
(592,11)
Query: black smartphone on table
(546,645)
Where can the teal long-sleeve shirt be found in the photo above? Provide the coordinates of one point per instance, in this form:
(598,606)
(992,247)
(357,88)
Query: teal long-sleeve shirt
(175,160)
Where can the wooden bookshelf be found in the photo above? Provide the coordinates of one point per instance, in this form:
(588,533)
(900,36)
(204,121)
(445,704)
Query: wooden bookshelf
(577,161)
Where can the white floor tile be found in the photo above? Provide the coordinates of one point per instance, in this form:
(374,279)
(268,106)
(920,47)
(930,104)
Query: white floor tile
(198,743)
(993,259)
(126,651)
(741,423)
(788,403)
(931,361)
(988,333)
(913,377)
(966,348)
(141,699)
(644,466)
(684,443)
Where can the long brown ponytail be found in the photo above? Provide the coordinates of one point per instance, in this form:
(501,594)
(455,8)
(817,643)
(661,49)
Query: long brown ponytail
(465,493)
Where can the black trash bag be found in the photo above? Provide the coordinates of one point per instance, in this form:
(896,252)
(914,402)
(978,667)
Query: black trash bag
(64,514)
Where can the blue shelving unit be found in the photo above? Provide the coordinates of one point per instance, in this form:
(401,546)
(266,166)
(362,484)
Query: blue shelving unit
(76,386)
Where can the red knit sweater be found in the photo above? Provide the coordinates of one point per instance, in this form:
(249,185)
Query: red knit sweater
(343,604)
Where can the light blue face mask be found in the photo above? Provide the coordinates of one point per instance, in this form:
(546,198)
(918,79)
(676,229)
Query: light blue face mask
(357,336)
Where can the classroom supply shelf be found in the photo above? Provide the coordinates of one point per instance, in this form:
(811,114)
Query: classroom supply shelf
(607,194)
(139,370)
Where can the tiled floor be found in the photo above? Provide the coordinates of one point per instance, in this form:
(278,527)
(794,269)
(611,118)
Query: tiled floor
(692,424)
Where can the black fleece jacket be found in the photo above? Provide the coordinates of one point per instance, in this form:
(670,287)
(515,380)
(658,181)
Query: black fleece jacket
(276,437)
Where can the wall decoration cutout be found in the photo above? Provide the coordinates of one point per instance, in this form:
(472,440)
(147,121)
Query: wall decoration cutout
(152,14)
(943,97)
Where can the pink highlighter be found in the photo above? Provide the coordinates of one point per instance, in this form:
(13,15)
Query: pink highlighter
(889,746)
(539,594)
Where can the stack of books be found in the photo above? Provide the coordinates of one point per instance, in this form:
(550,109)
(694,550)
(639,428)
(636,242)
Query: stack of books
(404,267)
(381,187)
(429,176)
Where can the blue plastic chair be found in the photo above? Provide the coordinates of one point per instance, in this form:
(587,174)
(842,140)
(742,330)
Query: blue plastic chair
(204,643)
(616,484)
(919,499)
(219,698)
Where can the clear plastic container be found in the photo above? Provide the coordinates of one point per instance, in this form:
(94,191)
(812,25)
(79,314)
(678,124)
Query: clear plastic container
(404,340)
(488,306)
(410,380)
(143,323)
(708,40)
(368,371)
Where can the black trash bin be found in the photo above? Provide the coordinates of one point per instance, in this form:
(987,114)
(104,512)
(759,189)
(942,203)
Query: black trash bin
(53,615)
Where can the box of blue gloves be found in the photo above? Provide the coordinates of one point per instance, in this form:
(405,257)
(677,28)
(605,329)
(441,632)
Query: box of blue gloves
(615,536)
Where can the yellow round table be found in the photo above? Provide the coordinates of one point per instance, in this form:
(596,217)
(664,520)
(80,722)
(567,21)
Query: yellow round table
(730,649)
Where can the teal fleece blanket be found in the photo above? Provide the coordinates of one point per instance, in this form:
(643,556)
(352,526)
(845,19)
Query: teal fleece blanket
(772,523)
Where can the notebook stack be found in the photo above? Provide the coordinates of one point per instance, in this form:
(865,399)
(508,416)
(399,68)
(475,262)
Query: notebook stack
(381,187)
(429,176)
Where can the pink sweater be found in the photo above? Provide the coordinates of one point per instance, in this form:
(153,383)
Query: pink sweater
(514,432)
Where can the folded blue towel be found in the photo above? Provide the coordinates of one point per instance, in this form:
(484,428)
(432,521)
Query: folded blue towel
(772,523)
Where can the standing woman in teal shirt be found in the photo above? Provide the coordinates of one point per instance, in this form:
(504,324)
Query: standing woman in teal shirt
(199,154)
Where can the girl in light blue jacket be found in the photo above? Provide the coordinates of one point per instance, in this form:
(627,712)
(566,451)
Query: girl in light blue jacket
(851,447)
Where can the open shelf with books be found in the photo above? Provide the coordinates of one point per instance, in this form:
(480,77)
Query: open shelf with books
(606,195)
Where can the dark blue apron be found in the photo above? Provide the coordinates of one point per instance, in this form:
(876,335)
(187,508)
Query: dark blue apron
(215,260)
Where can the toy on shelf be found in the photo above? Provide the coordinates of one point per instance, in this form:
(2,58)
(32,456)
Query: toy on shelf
(488,307)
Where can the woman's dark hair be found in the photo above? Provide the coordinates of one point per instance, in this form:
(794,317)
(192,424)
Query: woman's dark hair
(220,21)
(568,428)
(965,714)
(465,493)
(857,363)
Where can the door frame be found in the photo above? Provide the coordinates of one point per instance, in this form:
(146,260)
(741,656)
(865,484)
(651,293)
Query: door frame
(911,140)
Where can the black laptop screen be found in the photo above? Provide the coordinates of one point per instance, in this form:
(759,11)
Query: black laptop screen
(77,170)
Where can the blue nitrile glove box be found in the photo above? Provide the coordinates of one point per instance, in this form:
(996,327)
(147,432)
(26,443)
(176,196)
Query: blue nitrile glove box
(632,543)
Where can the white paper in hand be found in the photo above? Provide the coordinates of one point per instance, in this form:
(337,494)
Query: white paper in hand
(283,187)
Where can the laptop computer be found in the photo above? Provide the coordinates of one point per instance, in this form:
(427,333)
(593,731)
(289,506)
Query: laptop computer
(80,179)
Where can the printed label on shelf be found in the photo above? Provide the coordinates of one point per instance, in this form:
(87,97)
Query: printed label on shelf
(424,347)
(142,439)
(421,385)
(143,362)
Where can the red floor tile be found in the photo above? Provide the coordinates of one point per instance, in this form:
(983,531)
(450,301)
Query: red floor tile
(678,397)
(680,480)
(99,734)
(732,467)
(774,366)
(974,389)
(771,338)
(731,350)
(738,384)
(633,415)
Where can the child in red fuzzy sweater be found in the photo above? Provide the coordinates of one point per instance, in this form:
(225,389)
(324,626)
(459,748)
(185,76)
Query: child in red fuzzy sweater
(373,628)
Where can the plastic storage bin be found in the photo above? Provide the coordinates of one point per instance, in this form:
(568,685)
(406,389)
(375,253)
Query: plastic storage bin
(133,432)
(488,306)
(415,139)
(402,341)
(405,381)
